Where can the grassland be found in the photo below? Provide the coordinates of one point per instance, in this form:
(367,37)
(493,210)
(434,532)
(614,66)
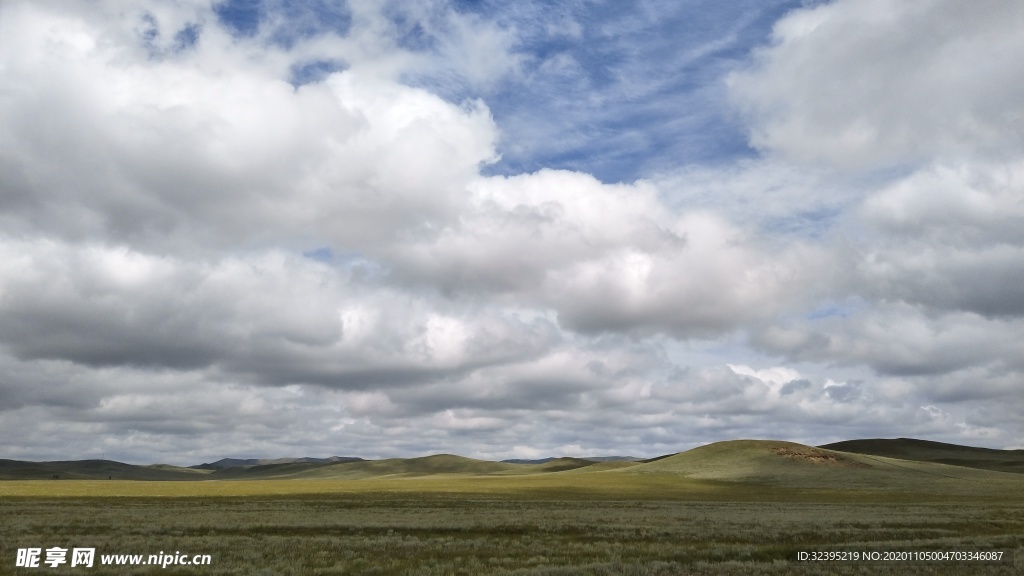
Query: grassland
(744,507)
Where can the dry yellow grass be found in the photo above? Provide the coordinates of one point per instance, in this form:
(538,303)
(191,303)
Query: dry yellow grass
(566,484)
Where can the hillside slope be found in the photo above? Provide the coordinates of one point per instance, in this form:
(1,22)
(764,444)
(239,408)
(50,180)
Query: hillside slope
(938,452)
(94,470)
(776,463)
(423,466)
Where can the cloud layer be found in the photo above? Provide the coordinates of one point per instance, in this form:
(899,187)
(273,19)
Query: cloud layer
(287,232)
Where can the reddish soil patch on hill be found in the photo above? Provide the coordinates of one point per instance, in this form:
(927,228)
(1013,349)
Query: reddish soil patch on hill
(818,457)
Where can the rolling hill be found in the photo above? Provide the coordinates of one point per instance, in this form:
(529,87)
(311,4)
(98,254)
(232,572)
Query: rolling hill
(410,467)
(440,464)
(921,467)
(94,470)
(247,462)
(937,452)
(786,464)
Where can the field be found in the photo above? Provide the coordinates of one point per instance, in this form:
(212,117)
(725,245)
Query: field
(732,508)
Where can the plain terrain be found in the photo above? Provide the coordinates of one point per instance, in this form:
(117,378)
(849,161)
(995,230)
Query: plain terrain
(741,507)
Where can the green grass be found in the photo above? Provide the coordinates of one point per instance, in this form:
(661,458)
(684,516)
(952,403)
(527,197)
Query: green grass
(741,469)
(875,463)
(786,464)
(434,533)
(742,507)
(937,452)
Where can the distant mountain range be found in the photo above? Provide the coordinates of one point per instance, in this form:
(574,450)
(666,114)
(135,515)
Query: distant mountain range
(237,462)
(590,458)
(717,460)
(248,462)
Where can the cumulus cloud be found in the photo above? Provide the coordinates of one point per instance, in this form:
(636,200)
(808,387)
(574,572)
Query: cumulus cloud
(896,339)
(211,148)
(612,257)
(275,318)
(886,84)
(278,233)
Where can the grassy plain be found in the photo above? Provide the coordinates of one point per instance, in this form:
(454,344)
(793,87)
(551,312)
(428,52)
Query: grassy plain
(733,508)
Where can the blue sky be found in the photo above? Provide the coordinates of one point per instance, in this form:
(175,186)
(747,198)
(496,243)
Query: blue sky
(262,228)
(618,90)
(641,90)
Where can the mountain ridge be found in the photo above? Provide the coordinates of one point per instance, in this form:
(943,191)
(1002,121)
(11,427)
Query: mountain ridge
(740,460)
(238,462)
(591,458)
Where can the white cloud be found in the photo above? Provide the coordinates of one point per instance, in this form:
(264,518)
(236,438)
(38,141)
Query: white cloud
(966,205)
(883,84)
(213,148)
(611,257)
(915,106)
(274,318)
(896,339)
(156,198)
(775,377)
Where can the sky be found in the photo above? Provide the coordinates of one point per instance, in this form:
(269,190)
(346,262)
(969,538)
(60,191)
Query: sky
(264,228)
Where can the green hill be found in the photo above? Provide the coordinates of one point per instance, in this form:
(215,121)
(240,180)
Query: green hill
(558,465)
(902,465)
(348,470)
(750,460)
(258,471)
(411,467)
(938,452)
(94,470)
(787,464)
